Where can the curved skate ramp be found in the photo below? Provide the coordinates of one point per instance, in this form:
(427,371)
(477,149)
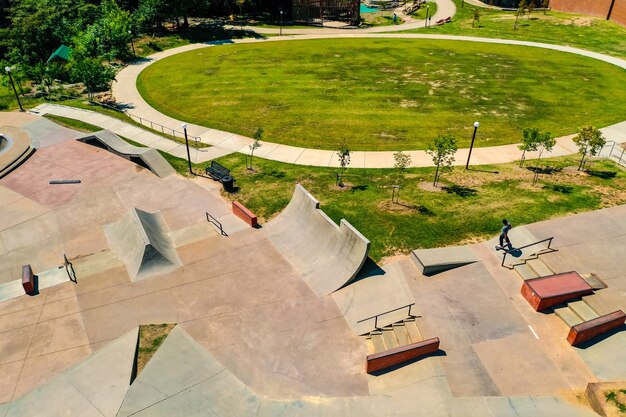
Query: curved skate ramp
(142,241)
(147,157)
(327,256)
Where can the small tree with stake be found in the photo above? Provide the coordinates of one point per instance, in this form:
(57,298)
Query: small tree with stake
(520,11)
(476,17)
(535,140)
(442,151)
(589,141)
(344,160)
(402,161)
(258,135)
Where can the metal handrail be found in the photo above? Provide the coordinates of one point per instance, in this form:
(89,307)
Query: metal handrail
(375,317)
(506,252)
(69,269)
(141,120)
(612,144)
(216,222)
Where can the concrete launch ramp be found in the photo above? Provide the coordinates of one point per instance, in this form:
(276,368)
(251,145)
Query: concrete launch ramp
(142,241)
(145,157)
(327,256)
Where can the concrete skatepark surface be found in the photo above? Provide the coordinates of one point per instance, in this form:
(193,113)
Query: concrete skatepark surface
(262,341)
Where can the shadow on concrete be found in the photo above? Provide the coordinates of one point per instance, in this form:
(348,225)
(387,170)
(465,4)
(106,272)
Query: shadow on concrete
(409,362)
(598,339)
(35,290)
(369,270)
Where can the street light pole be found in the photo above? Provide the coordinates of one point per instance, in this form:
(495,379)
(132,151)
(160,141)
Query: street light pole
(184,126)
(476,124)
(281,22)
(132,43)
(17,97)
(426,20)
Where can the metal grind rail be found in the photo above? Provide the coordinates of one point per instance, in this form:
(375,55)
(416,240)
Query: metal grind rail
(375,317)
(548,248)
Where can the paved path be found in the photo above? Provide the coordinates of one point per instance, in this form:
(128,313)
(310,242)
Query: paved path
(445,8)
(223,143)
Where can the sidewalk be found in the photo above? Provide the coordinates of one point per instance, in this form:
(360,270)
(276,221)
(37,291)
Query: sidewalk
(233,143)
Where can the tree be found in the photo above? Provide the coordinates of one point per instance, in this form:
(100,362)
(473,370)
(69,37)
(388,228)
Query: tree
(344,160)
(531,7)
(476,17)
(402,161)
(442,151)
(545,5)
(535,140)
(258,135)
(520,11)
(109,36)
(589,141)
(93,73)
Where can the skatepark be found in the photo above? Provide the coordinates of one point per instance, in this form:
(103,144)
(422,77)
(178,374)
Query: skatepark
(280,319)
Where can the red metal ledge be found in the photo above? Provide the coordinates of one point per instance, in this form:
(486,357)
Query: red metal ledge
(595,327)
(244,214)
(546,292)
(396,356)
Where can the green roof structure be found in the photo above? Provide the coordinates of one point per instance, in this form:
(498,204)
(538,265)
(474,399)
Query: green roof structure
(61,54)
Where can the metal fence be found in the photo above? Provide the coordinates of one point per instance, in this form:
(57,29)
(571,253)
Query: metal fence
(615,151)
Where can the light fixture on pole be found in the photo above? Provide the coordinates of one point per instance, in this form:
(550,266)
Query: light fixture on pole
(281,22)
(476,124)
(426,20)
(184,126)
(130,32)
(17,97)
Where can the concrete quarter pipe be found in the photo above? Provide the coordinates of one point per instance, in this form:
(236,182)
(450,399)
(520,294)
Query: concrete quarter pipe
(327,256)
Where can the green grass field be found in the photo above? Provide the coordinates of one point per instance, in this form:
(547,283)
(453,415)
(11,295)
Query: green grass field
(581,31)
(469,211)
(381,94)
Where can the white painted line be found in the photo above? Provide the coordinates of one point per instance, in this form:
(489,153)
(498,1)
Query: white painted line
(532,330)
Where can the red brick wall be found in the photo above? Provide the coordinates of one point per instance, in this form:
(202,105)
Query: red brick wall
(593,7)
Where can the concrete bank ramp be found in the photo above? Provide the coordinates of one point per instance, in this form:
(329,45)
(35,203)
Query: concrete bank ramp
(183,379)
(145,157)
(433,261)
(327,256)
(141,240)
(95,387)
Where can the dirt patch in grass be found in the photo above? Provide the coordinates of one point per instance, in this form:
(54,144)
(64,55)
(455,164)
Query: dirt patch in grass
(151,336)
(428,186)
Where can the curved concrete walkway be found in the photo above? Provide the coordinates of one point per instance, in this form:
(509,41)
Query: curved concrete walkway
(125,91)
(445,8)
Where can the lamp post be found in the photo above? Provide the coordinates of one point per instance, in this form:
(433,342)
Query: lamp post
(476,124)
(130,32)
(17,97)
(281,22)
(184,126)
(426,20)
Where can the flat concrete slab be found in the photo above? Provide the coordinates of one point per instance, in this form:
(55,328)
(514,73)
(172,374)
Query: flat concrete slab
(383,290)
(433,261)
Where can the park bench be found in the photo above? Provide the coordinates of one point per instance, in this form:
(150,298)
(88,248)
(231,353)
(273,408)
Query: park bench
(217,171)
(448,20)
(440,22)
